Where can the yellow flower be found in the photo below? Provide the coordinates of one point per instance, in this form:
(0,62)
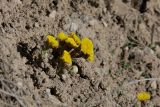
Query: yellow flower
(71,42)
(52,41)
(143,96)
(62,36)
(66,57)
(87,46)
(91,57)
(75,37)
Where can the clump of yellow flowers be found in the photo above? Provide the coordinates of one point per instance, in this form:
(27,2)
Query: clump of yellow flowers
(71,46)
(143,96)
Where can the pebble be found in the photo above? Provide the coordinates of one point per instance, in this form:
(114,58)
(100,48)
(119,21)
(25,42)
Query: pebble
(92,22)
(73,27)
(19,84)
(154,85)
(52,14)
(64,77)
(148,50)
(74,69)
(104,23)
(18,1)
(36,24)
(48,91)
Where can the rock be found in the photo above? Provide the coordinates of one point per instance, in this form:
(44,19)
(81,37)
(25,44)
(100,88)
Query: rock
(36,24)
(19,84)
(74,69)
(154,85)
(48,92)
(148,50)
(92,22)
(64,77)
(18,1)
(52,14)
(73,27)
(104,23)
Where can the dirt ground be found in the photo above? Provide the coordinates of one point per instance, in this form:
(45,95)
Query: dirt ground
(126,37)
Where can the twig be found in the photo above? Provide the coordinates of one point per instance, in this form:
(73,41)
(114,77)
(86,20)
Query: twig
(13,95)
(142,80)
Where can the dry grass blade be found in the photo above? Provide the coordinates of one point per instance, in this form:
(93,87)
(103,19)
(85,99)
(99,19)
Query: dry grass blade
(15,96)
(142,80)
(6,89)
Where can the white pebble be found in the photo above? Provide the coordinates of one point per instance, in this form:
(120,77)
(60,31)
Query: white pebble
(104,23)
(18,1)
(36,24)
(73,27)
(19,84)
(148,50)
(64,77)
(52,14)
(92,22)
(154,85)
(74,69)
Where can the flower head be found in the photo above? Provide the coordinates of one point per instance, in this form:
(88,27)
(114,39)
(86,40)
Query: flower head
(62,36)
(75,37)
(143,96)
(87,46)
(66,57)
(52,41)
(71,42)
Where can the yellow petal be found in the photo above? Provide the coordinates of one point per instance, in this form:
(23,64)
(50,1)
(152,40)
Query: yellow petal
(76,38)
(62,36)
(52,41)
(90,58)
(66,57)
(71,42)
(143,96)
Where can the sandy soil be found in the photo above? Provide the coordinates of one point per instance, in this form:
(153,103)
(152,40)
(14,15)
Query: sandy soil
(126,41)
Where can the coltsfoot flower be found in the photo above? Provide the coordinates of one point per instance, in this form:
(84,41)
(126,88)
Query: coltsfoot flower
(143,96)
(87,48)
(71,42)
(62,36)
(52,41)
(66,57)
(76,38)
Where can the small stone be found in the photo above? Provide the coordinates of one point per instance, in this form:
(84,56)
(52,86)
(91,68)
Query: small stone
(73,27)
(126,48)
(92,22)
(18,1)
(64,77)
(48,91)
(19,84)
(74,69)
(64,71)
(52,14)
(148,50)
(104,23)
(36,24)
(154,85)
